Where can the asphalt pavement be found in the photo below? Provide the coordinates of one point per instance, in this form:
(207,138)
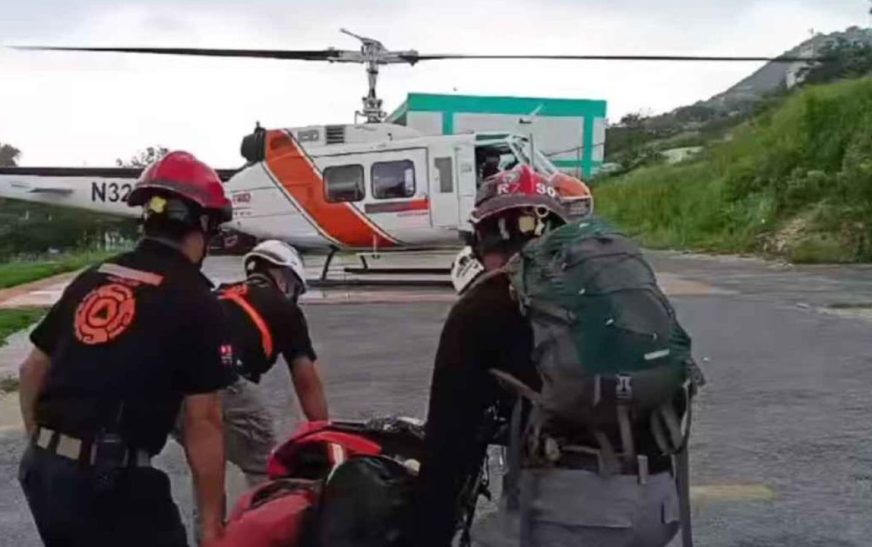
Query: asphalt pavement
(780,452)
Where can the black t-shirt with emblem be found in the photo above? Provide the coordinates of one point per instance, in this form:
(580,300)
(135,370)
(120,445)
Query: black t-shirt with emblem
(128,340)
(264,324)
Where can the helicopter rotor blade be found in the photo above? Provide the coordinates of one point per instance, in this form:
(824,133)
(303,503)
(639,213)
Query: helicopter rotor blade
(413,58)
(409,56)
(330,54)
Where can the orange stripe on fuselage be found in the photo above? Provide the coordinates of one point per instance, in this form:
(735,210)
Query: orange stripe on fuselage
(300,177)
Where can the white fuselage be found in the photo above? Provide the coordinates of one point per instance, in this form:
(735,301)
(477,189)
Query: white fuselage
(441,183)
(349,187)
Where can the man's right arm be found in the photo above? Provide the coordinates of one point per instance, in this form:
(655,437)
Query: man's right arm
(303,363)
(205,361)
(204,446)
(309,388)
(33,371)
(31,376)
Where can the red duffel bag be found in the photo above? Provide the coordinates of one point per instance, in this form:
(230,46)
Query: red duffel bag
(274,514)
(277,513)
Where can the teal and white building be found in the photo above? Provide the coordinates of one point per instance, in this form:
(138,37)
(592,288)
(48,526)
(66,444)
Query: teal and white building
(571,132)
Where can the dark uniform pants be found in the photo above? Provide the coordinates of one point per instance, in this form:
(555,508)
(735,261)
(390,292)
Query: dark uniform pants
(70,509)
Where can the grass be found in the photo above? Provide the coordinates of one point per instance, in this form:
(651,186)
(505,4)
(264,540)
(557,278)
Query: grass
(794,181)
(17,273)
(851,305)
(14,320)
(9,384)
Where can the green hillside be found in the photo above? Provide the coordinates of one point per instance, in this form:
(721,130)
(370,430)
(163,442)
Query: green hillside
(793,181)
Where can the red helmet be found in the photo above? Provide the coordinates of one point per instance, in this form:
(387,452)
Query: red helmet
(181,174)
(520,188)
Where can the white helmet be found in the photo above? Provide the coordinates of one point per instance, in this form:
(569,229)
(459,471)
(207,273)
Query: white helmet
(279,254)
(465,270)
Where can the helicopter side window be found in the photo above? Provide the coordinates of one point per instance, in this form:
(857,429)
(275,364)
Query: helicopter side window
(445,170)
(344,183)
(393,179)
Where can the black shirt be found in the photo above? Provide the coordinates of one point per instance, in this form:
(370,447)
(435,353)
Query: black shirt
(264,324)
(127,340)
(484,330)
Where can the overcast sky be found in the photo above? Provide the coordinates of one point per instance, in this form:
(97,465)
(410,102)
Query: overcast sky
(78,109)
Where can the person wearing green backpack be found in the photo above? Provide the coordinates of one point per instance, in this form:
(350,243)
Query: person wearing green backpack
(569,339)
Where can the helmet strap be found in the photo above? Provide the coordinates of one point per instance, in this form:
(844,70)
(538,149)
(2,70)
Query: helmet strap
(261,277)
(166,241)
(180,248)
(504,231)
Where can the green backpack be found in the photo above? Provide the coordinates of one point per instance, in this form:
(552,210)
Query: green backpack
(607,343)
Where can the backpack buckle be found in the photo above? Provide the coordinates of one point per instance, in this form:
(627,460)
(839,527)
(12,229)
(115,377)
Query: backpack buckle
(552,450)
(623,387)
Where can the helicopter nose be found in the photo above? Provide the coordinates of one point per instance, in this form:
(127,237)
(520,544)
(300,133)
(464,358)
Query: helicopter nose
(574,194)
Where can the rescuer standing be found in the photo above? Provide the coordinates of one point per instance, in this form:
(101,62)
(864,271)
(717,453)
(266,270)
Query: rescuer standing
(129,342)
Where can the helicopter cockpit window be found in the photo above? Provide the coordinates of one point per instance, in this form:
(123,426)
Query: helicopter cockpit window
(393,179)
(493,159)
(344,183)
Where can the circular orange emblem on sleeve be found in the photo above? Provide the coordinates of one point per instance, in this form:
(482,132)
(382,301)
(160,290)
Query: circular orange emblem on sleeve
(104,314)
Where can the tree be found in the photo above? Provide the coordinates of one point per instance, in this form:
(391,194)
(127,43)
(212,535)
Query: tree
(9,155)
(840,59)
(633,119)
(144,157)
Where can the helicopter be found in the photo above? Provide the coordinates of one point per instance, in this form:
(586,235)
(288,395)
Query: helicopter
(347,187)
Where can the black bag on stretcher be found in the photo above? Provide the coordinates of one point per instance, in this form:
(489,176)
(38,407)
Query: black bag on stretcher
(333,484)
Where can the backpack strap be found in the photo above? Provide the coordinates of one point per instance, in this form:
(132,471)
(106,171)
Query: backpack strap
(673,426)
(608,459)
(517,386)
(482,278)
(548,309)
(659,435)
(670,432)
(626,429)
(513,474)
(682,479)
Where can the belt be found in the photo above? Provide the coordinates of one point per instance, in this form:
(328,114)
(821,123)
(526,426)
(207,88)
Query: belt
(82,451)
(641,468)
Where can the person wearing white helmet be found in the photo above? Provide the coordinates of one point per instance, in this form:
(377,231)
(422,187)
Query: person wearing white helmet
(267,323)
(465,270)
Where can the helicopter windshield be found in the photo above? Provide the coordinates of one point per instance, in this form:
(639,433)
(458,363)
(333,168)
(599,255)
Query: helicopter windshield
(508,152)
(540,163)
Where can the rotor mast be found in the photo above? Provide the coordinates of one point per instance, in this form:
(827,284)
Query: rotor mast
(372,54)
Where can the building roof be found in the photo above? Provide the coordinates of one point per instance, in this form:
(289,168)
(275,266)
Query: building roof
(428,102)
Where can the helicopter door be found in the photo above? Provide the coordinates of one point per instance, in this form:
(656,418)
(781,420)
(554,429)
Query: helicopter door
(444,202)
